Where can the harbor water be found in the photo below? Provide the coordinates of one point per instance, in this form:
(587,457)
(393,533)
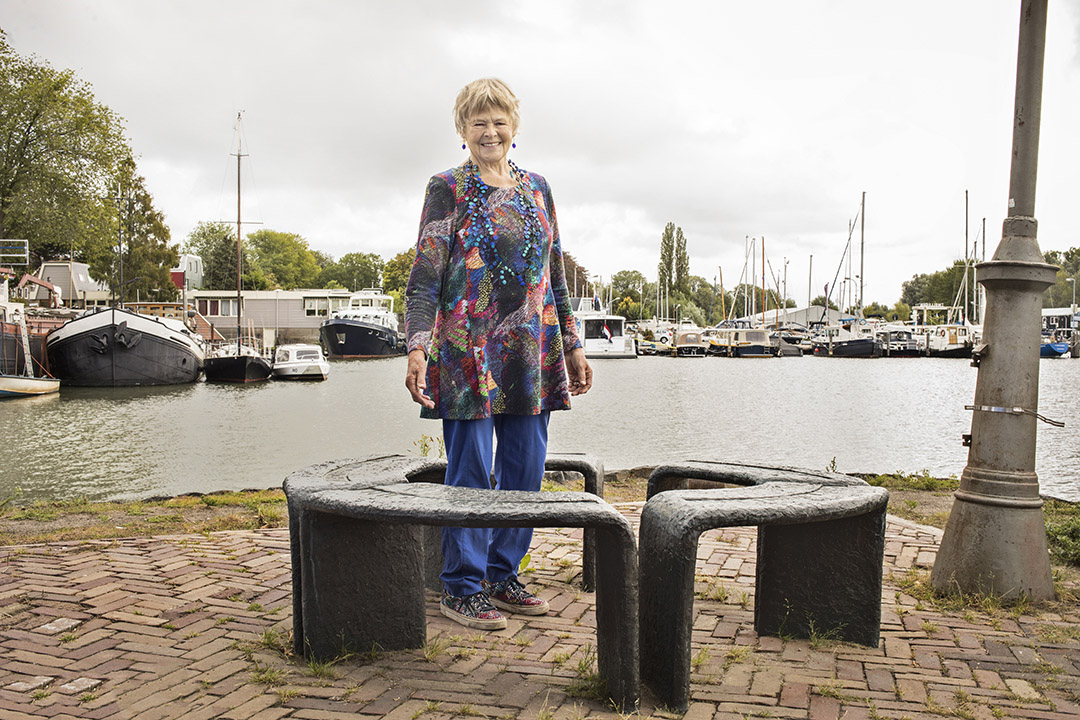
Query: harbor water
(881,415)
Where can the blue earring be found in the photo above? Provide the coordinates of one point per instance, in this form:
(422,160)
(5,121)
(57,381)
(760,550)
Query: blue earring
(513,145)
(462,146)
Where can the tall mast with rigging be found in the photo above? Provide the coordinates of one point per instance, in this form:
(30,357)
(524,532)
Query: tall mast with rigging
(239,247)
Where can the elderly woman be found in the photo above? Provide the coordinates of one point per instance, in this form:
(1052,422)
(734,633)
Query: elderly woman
(493,344)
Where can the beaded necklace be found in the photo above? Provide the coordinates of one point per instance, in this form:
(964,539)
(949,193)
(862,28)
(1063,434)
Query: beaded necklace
(480,231)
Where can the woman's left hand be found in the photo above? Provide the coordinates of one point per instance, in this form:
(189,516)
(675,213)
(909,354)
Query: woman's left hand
(579,372)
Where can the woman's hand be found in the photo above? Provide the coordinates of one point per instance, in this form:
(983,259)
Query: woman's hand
(579,372)
(416,378)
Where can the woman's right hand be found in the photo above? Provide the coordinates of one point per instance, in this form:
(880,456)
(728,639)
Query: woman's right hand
(416,378)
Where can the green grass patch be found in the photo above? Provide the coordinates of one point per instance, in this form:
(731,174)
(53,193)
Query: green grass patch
(1063,531)
(913,481)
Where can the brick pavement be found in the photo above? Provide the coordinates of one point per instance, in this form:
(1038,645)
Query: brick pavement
(194,627)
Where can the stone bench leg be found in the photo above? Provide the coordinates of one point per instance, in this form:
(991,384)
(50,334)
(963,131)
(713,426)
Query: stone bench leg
(821,578)
(617,617)
(667,557)
(361,586)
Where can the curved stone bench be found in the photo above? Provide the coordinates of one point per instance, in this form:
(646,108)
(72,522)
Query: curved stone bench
(358,556)
(821,543)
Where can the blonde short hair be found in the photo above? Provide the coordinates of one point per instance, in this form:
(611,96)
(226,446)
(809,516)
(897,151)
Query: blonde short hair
(481,96)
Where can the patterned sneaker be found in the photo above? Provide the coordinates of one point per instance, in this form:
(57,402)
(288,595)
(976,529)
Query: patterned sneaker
(511,595)
(473,611)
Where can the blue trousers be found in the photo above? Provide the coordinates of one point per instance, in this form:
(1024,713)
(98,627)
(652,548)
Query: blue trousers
(473,554)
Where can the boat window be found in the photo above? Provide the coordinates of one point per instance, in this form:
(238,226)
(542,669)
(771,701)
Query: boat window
(594,329)
(307,355)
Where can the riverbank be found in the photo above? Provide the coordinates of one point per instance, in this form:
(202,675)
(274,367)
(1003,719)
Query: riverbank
(81,519)
(919,498)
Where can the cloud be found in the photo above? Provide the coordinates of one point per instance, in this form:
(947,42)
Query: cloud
(732,120)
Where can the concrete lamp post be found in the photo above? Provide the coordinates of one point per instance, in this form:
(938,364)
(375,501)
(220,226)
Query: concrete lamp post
(995,540)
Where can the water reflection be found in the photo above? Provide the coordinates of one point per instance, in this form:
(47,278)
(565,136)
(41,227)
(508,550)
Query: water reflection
(864,415)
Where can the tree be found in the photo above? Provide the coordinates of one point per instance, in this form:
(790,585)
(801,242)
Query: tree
(215,243)
(59,151)
(627,283)
(1061,293)
(940,288)
(353,271)
(666,268)
(284,258)
(577,276)
(146,255)
(820,302)
(395,271)
(682,261)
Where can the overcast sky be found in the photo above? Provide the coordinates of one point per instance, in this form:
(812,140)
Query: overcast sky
(732,120)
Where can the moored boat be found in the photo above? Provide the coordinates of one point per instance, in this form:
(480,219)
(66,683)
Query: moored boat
(300,362)
(689,343)
(243,364)
(739,342)
(900,341)
(602,334)
(22,382)
(1052,347)
(365,328)
(114,347)
(15,386)
(950,341)
(839,341)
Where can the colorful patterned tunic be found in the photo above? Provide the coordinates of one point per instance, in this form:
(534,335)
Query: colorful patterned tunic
(487,299)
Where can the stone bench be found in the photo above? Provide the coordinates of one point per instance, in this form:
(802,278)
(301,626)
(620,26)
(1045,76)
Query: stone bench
(591,469)
(357,541)
(820,548)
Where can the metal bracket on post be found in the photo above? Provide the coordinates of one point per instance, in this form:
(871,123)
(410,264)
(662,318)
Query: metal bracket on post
(1015,411)
(979,353)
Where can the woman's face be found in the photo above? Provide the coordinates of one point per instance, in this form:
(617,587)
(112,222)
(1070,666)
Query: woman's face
(489,136)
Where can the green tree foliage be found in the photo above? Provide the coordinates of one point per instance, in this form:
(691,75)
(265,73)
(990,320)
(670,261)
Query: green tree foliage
(60,149)
(898,312)
(940,288)
(666,268)
(820,302)
(395,272)
(628,284)
(215,243)
(1061,293)
(354,271)
(284,258)
(682,262)
(147,255)
(577,276)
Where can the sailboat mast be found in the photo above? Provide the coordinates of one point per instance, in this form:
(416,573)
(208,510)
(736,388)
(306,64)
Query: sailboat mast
(239,251)
(967,258)
(862,248)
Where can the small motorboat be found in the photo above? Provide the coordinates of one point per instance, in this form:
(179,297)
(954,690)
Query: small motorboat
(300,362)
(1052,347)
(21,381)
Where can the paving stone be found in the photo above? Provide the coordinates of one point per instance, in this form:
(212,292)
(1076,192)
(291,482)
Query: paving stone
(30,684)
(59,625)
(150,626)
